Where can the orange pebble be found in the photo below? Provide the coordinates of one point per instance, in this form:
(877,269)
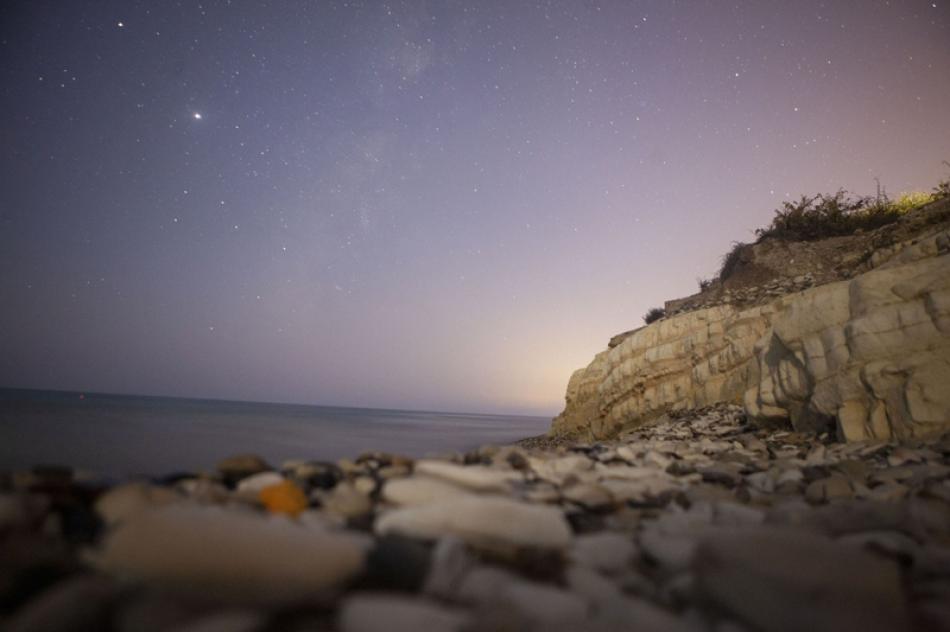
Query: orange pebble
(284,498)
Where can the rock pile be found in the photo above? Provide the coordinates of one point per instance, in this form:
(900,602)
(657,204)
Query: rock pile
(699,522)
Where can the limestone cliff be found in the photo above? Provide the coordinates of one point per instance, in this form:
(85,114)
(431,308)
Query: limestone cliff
(868,355)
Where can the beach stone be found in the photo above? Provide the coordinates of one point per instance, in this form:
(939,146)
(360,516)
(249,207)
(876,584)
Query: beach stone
(544,605)
(204,490)
(484,585)
(152,611)
(606,552)
(230,555)
(420,490)
(346,501)
(588,495)
(234,468)
(672,538)
(638,614)
(20,511)
(123,501)
(396,563)
(250,487)
(591,586)
(450,562)
(314,474)
(226,621)
(485,522)
(474,477)
(76,604)
(782,581)
(826,489)
(284,498)
(368,612)
(557,470)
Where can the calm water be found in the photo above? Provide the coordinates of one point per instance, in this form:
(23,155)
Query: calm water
(121,434)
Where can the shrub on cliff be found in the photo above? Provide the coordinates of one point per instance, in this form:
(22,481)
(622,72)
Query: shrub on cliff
(731,260)
(655,314)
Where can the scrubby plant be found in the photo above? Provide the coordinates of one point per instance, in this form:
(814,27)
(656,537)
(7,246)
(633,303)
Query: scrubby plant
(654,314)
(909,201)
(942,190)
(704,284)
(731,260)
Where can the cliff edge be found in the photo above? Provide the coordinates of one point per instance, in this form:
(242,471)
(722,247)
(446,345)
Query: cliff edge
(849,334)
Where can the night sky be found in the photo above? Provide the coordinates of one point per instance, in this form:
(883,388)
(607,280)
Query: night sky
(428,205)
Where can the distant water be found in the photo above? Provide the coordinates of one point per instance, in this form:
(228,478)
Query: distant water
(123,434)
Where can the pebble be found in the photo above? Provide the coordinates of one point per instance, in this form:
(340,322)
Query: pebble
(782,581)
(73,605)
(389,613)
(420,490)
(606,552)
(229,555)
(234,468)
(124,501)
(474,477)
(284,498)
(491,523)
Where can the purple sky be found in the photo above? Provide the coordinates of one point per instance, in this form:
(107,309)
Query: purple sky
(435,205)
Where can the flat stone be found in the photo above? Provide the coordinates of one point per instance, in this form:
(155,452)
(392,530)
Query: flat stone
(234,468)
(826,489)
(484,585)
(544,605)
(784,581)
(486,522)
(230,555)
(226,621)
(346,501)
(450,563)
(606,552)
(475,477)
(123,501)
(249,487)
(588,495)
(73,605)
(420,490)
(368,612)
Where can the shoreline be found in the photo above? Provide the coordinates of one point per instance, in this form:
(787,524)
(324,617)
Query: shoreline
(669,526)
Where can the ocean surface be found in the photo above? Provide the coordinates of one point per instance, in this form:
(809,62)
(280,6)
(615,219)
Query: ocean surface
(126,434)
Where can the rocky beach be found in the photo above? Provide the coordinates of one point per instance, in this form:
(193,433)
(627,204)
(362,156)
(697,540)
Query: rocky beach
(701,521)
(770,454)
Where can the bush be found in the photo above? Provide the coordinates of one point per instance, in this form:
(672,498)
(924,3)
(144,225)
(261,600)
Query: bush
(731,260)
(825,215)
(655,314)
(909,201)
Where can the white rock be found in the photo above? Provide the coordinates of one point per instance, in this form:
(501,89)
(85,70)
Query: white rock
(386,613)
(229,555)
(124,501)
(545,605)
(487,522)
(227,621)
(484,585)
(475,477)
(450,563)
(781,581)
(420,490)
(344,500)
(249,488)
(605,552)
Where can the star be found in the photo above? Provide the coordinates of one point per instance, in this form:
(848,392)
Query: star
(120,24)
(197,116)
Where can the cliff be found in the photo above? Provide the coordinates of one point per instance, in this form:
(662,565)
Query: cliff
(850,334)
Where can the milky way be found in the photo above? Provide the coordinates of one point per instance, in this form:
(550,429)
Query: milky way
(436,205)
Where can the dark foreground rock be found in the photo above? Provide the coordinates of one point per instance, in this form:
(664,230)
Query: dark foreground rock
(697,523)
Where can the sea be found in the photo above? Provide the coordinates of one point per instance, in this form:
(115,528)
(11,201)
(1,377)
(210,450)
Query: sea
(124,435)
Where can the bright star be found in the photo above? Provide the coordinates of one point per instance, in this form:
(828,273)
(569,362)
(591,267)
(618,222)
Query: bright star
(197,116)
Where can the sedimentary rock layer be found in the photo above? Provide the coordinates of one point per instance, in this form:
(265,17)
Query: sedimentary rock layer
(870,355)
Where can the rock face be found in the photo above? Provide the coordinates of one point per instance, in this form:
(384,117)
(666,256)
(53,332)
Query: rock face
(870,355)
